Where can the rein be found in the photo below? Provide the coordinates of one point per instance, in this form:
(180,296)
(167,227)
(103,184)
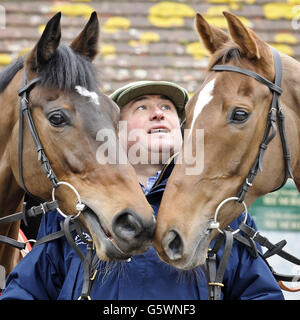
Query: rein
(215,276)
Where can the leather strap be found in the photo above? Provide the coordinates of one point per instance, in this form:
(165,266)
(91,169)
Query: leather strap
(87,259)
(273,249)
(53,236)
(273,86)
(264,242)
(25,110)
(286,288)
(69,237)
(12,242)
(286,151)
(215,276)
(32,212)
(22,104)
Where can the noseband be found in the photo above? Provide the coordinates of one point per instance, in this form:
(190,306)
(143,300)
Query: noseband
(271,127)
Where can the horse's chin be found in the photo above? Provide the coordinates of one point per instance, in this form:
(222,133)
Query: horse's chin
(106,246)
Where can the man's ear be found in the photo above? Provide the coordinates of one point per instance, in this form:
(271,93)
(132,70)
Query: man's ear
(47,45)
(86,43)
(212,37)
(243,36)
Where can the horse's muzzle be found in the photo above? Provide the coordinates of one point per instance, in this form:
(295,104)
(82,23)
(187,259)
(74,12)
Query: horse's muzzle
(132,232)
(183,252)
(173,245)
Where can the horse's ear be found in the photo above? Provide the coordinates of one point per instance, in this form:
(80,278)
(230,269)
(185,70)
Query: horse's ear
(213,38)
(86,43)
(243,36)
(47,45)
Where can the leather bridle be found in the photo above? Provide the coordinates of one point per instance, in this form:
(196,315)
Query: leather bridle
(25,110)
(271,127)
(215,276)
(70,224)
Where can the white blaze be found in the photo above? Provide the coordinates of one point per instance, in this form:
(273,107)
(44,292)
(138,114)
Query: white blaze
(86,93)
(204,97)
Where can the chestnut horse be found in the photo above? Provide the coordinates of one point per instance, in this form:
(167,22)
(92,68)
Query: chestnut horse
(232,109)
(68,110)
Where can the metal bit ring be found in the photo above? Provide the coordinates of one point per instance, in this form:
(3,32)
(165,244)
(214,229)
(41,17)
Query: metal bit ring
(79,205)
(216,223)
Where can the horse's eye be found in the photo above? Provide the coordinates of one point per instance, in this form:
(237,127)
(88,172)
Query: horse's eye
(57,119)
(239,115)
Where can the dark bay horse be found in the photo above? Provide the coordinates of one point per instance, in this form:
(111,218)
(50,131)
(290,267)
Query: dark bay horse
(68,111)
(232,110)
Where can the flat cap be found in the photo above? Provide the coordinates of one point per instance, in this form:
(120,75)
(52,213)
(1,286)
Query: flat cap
(177,94)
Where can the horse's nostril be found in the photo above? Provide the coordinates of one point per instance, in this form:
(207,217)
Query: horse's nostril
(127,226)
(173,245)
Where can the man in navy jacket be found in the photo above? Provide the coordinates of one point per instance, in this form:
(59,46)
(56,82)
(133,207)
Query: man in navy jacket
(54,271)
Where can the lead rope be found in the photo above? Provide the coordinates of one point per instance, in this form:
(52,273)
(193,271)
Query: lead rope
(87,259)
(215,275)
(88,262)
(23,215)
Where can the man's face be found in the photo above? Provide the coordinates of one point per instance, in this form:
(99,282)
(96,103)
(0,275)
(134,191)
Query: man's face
(152,123)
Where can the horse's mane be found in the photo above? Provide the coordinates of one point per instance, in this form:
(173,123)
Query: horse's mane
(229,51)
(65,70)
(9,72)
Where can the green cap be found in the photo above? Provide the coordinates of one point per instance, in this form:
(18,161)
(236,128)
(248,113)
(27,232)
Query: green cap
(178,95)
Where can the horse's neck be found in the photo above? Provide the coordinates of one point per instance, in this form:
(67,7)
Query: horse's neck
(10,196)
(10,192)
(291,84)
(291,101)
(9,111)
